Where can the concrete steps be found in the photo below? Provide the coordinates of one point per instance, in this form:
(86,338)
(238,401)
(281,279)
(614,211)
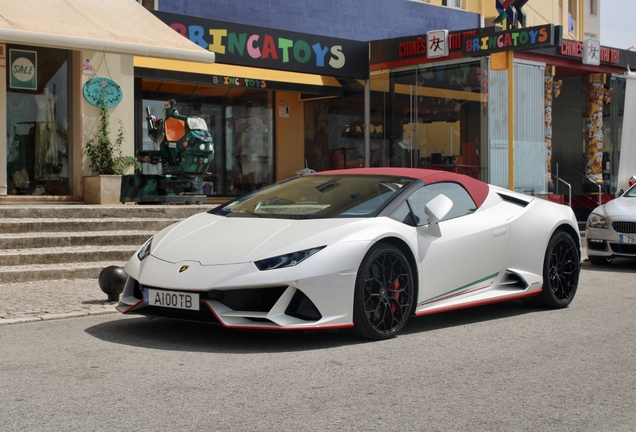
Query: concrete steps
(76,241)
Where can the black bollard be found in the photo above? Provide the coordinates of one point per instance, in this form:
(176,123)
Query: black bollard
(112,281)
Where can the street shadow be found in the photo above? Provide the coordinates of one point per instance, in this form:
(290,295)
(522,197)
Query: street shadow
(469,315)
(172,335)
(618,265)
(163,334)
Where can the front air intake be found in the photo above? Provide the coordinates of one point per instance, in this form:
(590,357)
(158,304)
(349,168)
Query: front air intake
(302,308)
(249,299)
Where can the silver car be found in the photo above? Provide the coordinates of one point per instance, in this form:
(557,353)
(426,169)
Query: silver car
(611,229)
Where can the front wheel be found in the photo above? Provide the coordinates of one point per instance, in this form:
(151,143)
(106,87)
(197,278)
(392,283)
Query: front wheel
(561,267)
(383,295)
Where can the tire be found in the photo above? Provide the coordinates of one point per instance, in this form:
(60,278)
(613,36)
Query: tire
(383,295)
(599,261)
(561,268)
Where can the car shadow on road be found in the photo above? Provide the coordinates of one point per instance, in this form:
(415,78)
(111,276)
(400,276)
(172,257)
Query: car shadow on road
(197,337)
(618,265)
(469,315)
(165,334)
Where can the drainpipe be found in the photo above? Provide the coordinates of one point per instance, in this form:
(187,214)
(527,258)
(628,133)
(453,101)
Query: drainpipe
(367,123)
(511,120)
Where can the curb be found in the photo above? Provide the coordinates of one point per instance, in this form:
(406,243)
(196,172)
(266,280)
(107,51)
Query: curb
(51,317)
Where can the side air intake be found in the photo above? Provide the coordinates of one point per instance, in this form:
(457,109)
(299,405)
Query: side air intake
(513,280)
(513,199)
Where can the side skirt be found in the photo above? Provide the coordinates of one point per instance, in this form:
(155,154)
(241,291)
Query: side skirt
(478,302)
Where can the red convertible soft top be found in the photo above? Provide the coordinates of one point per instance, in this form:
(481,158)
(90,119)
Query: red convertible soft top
(477,189)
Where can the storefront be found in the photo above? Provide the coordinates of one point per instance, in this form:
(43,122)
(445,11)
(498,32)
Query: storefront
(48,52)
(586,87)
(253,98)
(448,107)
(449,110)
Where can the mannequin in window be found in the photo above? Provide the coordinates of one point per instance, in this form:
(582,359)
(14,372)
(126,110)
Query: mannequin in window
(19,111)
(45,134)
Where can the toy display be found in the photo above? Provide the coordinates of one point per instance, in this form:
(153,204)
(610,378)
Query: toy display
(185,152)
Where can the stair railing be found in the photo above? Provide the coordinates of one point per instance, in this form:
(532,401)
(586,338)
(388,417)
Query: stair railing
(569,186)
(584,178)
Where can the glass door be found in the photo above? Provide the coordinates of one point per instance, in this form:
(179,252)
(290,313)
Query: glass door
(436,117)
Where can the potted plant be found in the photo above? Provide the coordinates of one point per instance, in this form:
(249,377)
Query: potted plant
(106,160)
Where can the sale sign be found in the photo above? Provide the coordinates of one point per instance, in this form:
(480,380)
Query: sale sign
(24,71)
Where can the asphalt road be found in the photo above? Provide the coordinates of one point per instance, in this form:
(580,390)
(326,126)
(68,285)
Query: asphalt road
(502,367)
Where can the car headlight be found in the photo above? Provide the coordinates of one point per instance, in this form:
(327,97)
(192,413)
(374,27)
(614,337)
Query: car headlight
(144,251)
(287,260)
(596,221)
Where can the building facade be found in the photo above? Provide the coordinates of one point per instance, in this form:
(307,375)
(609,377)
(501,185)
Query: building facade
(319,88)
(453,111)
(262,98)
(49,54)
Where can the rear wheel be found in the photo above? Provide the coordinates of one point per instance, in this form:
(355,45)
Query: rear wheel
(383,295)
(561,267)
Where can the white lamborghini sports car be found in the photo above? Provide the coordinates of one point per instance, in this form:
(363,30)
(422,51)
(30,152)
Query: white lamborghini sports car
(360,248)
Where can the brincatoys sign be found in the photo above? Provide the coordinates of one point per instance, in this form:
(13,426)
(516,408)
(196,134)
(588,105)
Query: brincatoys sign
(546,35)
(23,69)
(247,45)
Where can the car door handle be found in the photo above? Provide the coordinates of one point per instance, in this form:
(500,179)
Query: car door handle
(500,231)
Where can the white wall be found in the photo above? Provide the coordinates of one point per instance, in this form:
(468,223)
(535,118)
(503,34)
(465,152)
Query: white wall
(118,68)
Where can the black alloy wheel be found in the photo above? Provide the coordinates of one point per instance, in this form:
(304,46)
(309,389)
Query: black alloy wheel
(383,295)
(561,268)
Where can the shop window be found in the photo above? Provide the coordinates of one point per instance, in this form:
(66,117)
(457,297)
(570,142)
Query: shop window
(452,3)
(241,124)
(38,146)
(334,134)
(249,148)
(421,117)
(572,15)
(149,4)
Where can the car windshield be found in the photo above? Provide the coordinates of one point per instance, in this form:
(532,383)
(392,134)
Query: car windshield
(197,123)
(631,192)
(318,197)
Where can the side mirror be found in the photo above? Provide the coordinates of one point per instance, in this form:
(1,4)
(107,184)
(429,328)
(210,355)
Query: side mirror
(436,209)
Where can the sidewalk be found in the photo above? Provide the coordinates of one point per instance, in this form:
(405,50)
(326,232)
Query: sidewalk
(54,299)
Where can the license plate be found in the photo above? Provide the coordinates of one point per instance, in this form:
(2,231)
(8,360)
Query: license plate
(171,299)
(627,238)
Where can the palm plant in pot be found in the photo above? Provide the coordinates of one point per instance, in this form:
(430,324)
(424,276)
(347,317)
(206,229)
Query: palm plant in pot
(106,161)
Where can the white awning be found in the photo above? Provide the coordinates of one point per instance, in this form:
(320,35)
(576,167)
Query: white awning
(114,26)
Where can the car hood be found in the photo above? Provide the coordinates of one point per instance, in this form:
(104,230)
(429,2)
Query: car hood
(622,208)
(214,240)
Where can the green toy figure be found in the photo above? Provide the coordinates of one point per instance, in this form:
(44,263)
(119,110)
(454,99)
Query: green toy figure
(185,152)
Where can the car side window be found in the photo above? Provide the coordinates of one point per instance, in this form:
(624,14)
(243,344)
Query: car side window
(463,204)
(403,214)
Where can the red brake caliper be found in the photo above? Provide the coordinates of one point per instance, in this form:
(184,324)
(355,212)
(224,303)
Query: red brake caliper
(395,287)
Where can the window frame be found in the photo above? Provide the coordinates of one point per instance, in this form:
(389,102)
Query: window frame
(453,3)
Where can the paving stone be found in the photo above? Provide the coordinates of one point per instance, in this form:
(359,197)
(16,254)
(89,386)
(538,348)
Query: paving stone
(52,299)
